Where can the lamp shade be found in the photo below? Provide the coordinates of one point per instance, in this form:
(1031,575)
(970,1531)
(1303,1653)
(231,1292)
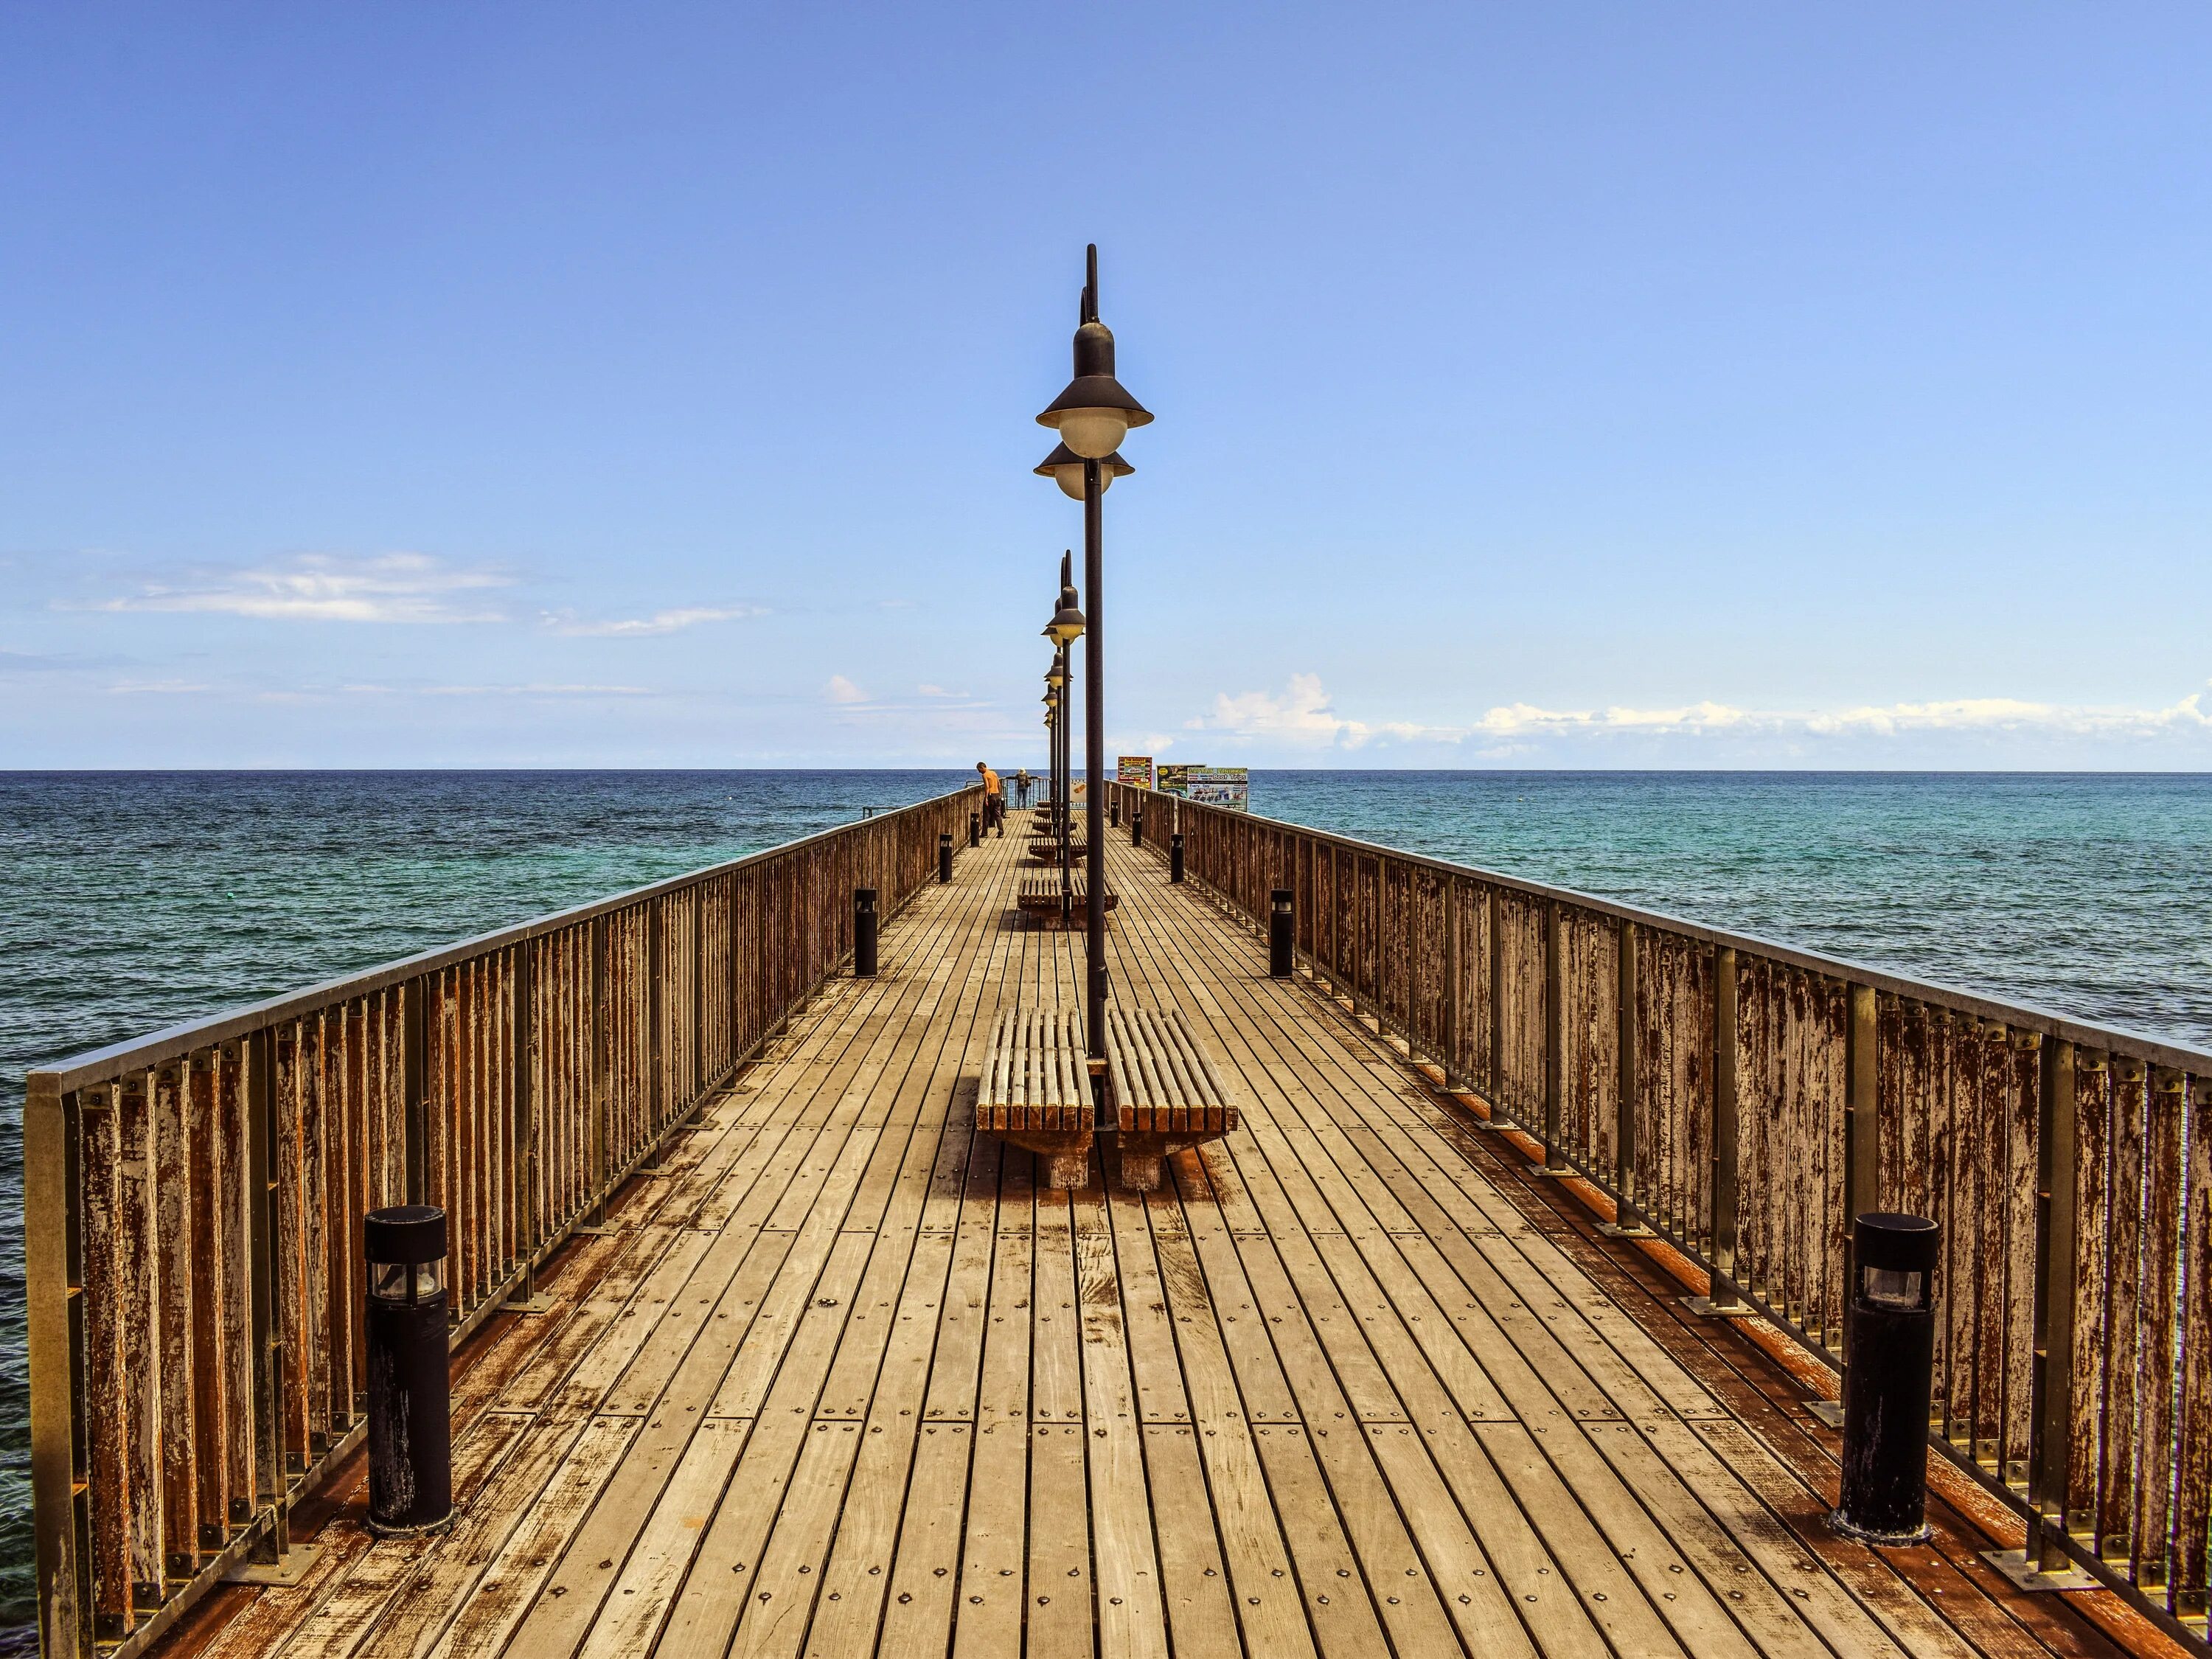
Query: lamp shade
(1096,410)
(1066,624)
(1065,468)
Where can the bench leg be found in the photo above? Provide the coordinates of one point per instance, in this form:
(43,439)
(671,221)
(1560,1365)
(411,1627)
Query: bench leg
(1067,1171)
(1140,1171)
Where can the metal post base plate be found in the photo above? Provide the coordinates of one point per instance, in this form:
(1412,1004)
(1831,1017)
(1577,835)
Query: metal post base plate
(538,1303)
(1829,1412)
(2019,1567)
(1705,1307)
(287,1570)
(1880,1541)
(1615,1229)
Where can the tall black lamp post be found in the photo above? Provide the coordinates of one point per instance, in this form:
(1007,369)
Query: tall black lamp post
(1063,630)
(1091,416)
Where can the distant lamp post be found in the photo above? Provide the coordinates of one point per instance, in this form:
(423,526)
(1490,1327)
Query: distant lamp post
(1092,415)
(1066,624)
(1065,468)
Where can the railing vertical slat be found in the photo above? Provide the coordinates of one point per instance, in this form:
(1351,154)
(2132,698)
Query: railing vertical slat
(170,1130)
(2057,1297)
(1554,1055)
(1723,1187)
(1629,1193)
(2192,1495)
(56,1293)
(2154,1356)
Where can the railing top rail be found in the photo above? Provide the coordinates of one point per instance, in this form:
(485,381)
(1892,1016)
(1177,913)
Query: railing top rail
(2154,1051)
(138,1054)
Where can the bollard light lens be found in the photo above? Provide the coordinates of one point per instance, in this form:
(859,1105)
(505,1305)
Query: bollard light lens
(1886,1287)
(388,1282)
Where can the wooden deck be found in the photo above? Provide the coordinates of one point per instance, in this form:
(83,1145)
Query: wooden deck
(843,1380)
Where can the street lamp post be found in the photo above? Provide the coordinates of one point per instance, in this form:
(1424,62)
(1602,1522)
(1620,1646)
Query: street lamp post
(1091,416)
(1066,628)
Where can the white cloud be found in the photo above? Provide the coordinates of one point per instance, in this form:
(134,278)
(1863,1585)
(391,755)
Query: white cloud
(673,621)
(384,587)
(1303,715)
(536,688)
(842,691)
(157,687)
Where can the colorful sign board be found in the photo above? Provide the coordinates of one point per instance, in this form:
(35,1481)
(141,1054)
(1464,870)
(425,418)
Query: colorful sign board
(1171,778)
(1136,771)
(1219,785)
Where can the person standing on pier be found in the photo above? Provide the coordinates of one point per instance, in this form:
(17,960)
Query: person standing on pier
(1022,788)
(994,801)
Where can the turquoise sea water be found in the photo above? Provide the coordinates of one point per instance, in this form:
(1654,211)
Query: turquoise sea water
(131,901)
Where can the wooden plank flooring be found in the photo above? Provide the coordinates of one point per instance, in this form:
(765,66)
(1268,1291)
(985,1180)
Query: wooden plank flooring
(844,1379)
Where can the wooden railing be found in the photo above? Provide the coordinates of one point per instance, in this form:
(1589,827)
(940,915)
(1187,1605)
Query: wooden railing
(1745,1099)
(193,1200)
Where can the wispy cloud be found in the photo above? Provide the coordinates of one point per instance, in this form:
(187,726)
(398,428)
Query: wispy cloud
(673,621)
(1303,715)
(383,587)
(842,691)
(157,687)
(49,662)
(536,688)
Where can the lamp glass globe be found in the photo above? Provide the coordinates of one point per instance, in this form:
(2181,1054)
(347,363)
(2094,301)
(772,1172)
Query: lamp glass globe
(1093,434)
(1069,477)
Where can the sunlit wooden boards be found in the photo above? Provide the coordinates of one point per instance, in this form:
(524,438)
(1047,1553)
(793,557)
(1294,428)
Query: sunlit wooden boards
(855,1376)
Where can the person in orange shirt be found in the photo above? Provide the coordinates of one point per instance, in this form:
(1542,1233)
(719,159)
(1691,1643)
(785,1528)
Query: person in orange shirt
(994,801)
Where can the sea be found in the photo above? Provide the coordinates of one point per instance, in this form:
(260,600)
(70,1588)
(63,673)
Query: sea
(132,899)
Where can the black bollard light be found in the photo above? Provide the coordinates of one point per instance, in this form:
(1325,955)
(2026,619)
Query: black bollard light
(1278,932)
(1137,827)
(975,829)
(410,1447)
(864,933)
(1175,856)
(944,855)
(1115,806)
(1888,1379)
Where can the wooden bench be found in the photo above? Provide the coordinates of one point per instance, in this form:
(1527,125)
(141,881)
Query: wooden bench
(1036,1093)
(1048,851)
(1039,897)
(1165,1092)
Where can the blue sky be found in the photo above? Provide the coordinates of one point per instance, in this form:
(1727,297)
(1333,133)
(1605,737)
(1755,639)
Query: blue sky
(1710,385)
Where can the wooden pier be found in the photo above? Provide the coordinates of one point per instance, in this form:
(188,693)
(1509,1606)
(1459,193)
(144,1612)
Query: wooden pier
(839,1377)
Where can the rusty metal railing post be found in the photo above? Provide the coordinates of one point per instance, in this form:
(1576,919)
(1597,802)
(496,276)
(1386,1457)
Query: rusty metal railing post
(1555,1059)
(1627,1221)
(414,1061)
(56,1320)
(1454,986)
(699,989)
(1497,1067)
(1723,1299)
(656,1010)
(2051,1410)
(529,1222)
(1862,1122)
(602,1074)
(272,1485)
